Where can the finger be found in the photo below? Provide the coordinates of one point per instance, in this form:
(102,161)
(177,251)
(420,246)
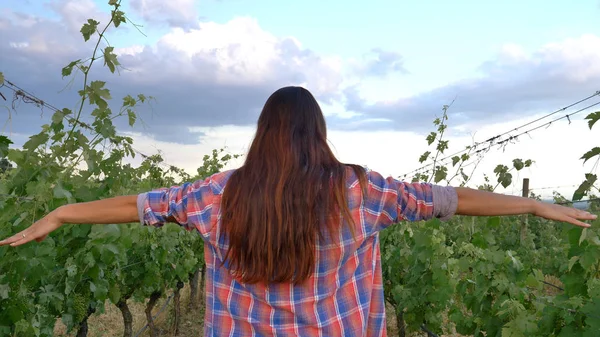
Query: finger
(14,238)
(24,240)
(586,215)
(23,237)
(577,222)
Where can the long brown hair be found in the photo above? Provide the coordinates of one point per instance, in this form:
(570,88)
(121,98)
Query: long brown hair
(290,191)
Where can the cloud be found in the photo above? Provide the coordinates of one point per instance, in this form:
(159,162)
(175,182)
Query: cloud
(380,63)
(214,75)
(175,13)
(513,83)
(221,74)
(75,13)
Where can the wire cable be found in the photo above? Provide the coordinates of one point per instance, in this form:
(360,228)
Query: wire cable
(27,97)
(492,139)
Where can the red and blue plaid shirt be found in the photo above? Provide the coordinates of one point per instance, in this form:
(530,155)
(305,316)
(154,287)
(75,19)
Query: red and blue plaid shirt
(343,297)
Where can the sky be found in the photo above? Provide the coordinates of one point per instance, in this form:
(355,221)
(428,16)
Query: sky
(382,70)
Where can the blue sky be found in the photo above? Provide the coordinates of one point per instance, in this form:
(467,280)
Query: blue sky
(440,41)
(393,62)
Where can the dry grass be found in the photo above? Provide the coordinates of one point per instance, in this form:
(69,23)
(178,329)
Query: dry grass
(392,326)
(110,323)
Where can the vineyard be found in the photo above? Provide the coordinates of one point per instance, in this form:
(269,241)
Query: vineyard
(494,276)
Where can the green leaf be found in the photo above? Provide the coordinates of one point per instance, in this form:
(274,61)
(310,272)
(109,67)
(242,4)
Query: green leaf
(572,262)
(593,118)
(583,235)
(431,138)
(442,146)
(424,156)
(455,160)
(118,18)
(60,192)
(89,28)
(98,94)
(493,221)
(4,143)
(440,174)
(67,70)
(500,169)
(100,290)
(585,186)
(132,117)
(113,2)
(505,179)
(114,293)
(1,78)
(97,88)
(35,141)
(591,153)
(518,164)
(20,219)
(58,116)
(110,59)
(129,101)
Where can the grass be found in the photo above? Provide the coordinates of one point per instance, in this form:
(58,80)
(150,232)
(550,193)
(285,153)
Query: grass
(110,323)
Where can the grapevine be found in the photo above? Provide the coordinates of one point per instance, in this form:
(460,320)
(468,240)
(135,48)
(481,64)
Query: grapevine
(80,157)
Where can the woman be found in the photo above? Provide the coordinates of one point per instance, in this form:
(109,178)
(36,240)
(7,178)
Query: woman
(292,235)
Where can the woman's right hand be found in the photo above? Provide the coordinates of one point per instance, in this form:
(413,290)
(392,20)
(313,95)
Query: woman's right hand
(38,231)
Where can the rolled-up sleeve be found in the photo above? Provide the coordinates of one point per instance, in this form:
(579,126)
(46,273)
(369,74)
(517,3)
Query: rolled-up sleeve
(391,201)
(188,205)
(445,202)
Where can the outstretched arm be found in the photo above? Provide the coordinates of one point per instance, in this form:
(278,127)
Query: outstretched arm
(112,210)
(153,208)
(483,203)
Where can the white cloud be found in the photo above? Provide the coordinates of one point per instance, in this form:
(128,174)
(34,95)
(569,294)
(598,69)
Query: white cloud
(513,83)
(240,52)
(378,63)
(210,75)
(75,13)
(175,13)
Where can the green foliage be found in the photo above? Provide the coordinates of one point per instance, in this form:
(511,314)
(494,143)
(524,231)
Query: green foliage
(590,154)
(593,118)
(473,275)
(585,188)
(413,255)
(4,144)
(72,273)
(89,29)
(478,276)
(446,171)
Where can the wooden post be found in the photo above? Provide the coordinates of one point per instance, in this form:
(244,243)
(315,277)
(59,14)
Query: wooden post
(524,218)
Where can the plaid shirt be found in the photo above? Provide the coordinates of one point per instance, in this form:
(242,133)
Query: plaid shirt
(343,297)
